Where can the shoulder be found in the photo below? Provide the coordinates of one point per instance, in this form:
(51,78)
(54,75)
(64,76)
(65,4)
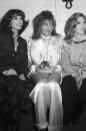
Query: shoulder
(65,46)
(57,40)
(4,36)
(22,41)
(57,37)
(34,42)
(5,39)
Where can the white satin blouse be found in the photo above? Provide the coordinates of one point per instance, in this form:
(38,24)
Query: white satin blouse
(45,50)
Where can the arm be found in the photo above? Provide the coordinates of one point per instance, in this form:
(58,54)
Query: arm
(6,59)
(31,66)
(29,43)
(57,56)
(67,67)
(22,58)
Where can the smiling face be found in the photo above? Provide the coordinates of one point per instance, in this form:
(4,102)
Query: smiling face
(81,26)
(46,28)
(16,23)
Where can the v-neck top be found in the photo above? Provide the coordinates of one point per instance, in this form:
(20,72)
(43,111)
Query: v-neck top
(11,59)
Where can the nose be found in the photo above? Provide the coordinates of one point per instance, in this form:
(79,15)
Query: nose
(50,28)
(20,20)
(84,27)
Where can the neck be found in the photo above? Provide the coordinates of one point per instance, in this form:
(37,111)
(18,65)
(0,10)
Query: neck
(45,37)
(15,33)
(79,37)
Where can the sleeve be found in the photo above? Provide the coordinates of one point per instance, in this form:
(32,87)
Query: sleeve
(31,66)
(59,48)
(23,60)
(29,49)
(65,60)
(5,54)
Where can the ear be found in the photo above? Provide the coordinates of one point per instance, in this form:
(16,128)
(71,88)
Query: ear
(10,24)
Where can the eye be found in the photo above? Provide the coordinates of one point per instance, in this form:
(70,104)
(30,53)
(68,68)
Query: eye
(78,23)
(15,18)
(45,24)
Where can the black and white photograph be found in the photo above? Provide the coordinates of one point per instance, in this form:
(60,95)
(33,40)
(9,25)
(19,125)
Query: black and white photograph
(42,65)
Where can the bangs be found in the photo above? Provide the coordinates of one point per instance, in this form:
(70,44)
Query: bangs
(17,14)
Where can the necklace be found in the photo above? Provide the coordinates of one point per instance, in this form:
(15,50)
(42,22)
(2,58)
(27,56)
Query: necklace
(79,42)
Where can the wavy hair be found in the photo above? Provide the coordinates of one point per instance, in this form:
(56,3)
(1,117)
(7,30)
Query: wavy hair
(37,23)
(6,19)
(70,26)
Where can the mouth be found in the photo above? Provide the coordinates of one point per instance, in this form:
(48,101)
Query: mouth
(19,25)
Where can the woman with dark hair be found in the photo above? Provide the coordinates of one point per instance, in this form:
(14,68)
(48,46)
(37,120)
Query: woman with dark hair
(13,67)
(44,54)
(74,66)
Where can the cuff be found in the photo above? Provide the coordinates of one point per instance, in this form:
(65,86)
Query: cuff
(58,68)
(32,69)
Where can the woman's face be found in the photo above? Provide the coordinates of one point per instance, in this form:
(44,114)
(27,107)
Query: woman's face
(16,23)
(81,26)
(46,28)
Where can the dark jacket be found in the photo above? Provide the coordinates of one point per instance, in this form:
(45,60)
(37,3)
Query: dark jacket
(9,59)
(14,92)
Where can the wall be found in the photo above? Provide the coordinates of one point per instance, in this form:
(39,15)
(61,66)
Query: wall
(63,13)
(33,7)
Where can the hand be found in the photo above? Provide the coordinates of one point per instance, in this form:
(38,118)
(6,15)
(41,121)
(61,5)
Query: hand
(29,74)
(53,69)
(10,72)
(37,69)
(44,75)
(22,77)
(39,76)
(76,74)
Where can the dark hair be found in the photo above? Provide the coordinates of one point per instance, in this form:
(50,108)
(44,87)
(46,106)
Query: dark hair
(39,19)
(71,24)
(5,21)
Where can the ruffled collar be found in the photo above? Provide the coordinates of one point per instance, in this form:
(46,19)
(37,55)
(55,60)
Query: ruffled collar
(45,37)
